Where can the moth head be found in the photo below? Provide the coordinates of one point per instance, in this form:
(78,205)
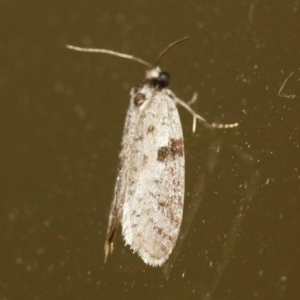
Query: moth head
(159,78)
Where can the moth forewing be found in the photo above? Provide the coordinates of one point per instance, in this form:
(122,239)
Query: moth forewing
(152,211)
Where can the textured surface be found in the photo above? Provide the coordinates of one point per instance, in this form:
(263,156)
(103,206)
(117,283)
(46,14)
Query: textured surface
(149,191)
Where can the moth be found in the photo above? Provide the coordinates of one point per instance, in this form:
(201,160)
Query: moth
(149,191)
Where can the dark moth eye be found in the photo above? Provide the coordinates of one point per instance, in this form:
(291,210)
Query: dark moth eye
(164,79)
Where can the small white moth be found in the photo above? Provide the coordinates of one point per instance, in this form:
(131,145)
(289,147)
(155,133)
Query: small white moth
(149,192)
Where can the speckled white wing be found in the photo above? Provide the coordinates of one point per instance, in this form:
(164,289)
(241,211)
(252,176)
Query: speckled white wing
(152,211)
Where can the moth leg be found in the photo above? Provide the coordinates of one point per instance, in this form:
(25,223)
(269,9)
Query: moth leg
(109,244)
(193,100)
(114,219)
(201,119)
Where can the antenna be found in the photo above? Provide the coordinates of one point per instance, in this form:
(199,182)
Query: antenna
(110,52)
(168,48)
(127,56)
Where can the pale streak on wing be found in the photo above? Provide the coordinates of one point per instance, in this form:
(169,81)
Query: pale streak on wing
(152,212)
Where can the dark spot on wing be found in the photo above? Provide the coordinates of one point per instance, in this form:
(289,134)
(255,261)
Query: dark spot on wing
(163,153)
(139,138)
(139,99)
(177,147)
(174,148)
(159,231)
(150,129)
(145,160)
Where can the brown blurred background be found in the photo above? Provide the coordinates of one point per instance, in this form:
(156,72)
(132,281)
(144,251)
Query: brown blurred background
(62,118)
